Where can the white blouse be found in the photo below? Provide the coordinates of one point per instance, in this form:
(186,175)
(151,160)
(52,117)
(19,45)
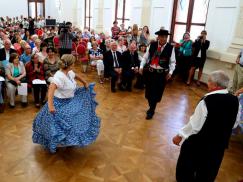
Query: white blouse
(66,84)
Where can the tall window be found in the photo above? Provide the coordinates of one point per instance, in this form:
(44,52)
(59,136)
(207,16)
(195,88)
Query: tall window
(87,13)
(188,16)
(121,11)
(36,8)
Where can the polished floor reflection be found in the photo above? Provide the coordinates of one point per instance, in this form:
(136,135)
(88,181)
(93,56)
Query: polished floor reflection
(128,149)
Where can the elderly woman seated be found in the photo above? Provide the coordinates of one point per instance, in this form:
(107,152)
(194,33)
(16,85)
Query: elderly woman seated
(15,74)
(36,79)
(51,64)
(96,58)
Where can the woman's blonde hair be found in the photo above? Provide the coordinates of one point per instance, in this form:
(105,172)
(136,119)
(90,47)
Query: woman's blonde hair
(66,61)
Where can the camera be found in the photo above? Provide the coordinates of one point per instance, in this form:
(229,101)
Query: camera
(200,37)
(64,27)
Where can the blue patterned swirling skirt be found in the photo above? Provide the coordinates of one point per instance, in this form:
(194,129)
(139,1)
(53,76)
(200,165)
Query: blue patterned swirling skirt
(73,124)
(241,103)
(239,129)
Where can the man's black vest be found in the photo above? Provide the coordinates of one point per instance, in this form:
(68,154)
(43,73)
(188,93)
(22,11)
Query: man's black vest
(164,58)
(222,112)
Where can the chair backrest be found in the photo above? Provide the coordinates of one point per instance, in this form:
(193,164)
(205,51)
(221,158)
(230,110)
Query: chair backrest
(81,50)
(74,46)
(56,41)
(18,49)
(83,43)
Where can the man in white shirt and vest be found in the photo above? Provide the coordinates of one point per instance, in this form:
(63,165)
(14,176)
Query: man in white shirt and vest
(206,136)
(157,67)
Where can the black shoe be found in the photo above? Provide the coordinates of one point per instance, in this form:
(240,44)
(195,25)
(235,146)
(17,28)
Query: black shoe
(113,90)
(121,87)
(149,116)
(37,105)
(11,106)
(43,102)
(1,108)
(129,89)
(24,104)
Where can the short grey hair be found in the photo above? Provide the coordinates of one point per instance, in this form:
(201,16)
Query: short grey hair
(220,78)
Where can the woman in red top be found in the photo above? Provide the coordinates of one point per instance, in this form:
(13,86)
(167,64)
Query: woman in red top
(35,70)
(115,30)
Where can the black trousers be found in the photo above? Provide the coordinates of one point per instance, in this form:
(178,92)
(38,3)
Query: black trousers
(127,77)
(39,90)
(139,82)
(183,66)
(64,51)
(154,88)
(114,77)
(198,163)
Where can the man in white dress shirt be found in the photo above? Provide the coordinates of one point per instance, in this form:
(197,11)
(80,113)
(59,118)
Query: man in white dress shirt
(160,64)
(206,136)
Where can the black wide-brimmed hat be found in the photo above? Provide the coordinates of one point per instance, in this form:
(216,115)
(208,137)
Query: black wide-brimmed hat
(162,32)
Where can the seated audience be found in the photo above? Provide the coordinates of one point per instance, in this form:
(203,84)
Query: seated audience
(26,56)
(51,64)
(6,51)
(35,70)
(112,63)
(2,77)
(121,47)
(36,49)
(96,58)
(144,36)
(15,74)
(238,73)
(43,53)
(130,66)
(115,30)
(141,52)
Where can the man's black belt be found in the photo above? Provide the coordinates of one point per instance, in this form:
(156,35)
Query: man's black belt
(158,70)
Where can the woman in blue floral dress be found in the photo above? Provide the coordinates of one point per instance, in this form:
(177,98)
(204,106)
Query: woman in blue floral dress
(69,118)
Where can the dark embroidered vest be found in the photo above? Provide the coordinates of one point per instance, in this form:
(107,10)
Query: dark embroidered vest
(164,56)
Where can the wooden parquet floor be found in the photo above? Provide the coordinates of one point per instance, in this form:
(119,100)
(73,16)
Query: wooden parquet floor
(128,149)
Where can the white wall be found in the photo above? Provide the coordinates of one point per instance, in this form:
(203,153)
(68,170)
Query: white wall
(161,15)
(221,22)
(52,10)
(13,8)
(108,15)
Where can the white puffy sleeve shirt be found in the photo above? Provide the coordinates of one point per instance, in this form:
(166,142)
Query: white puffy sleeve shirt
(198,119)
(66,84)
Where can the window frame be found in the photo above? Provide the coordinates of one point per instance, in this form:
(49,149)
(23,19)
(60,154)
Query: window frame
(36,1)
(123,18)
(188,22)
(86,2)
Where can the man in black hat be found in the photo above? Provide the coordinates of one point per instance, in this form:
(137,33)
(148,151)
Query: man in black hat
(157,68)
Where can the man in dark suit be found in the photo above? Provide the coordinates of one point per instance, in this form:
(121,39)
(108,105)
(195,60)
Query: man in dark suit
(112,64)
(6,51)
(199,56)
(160,65)
(207,134)
(130,66)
